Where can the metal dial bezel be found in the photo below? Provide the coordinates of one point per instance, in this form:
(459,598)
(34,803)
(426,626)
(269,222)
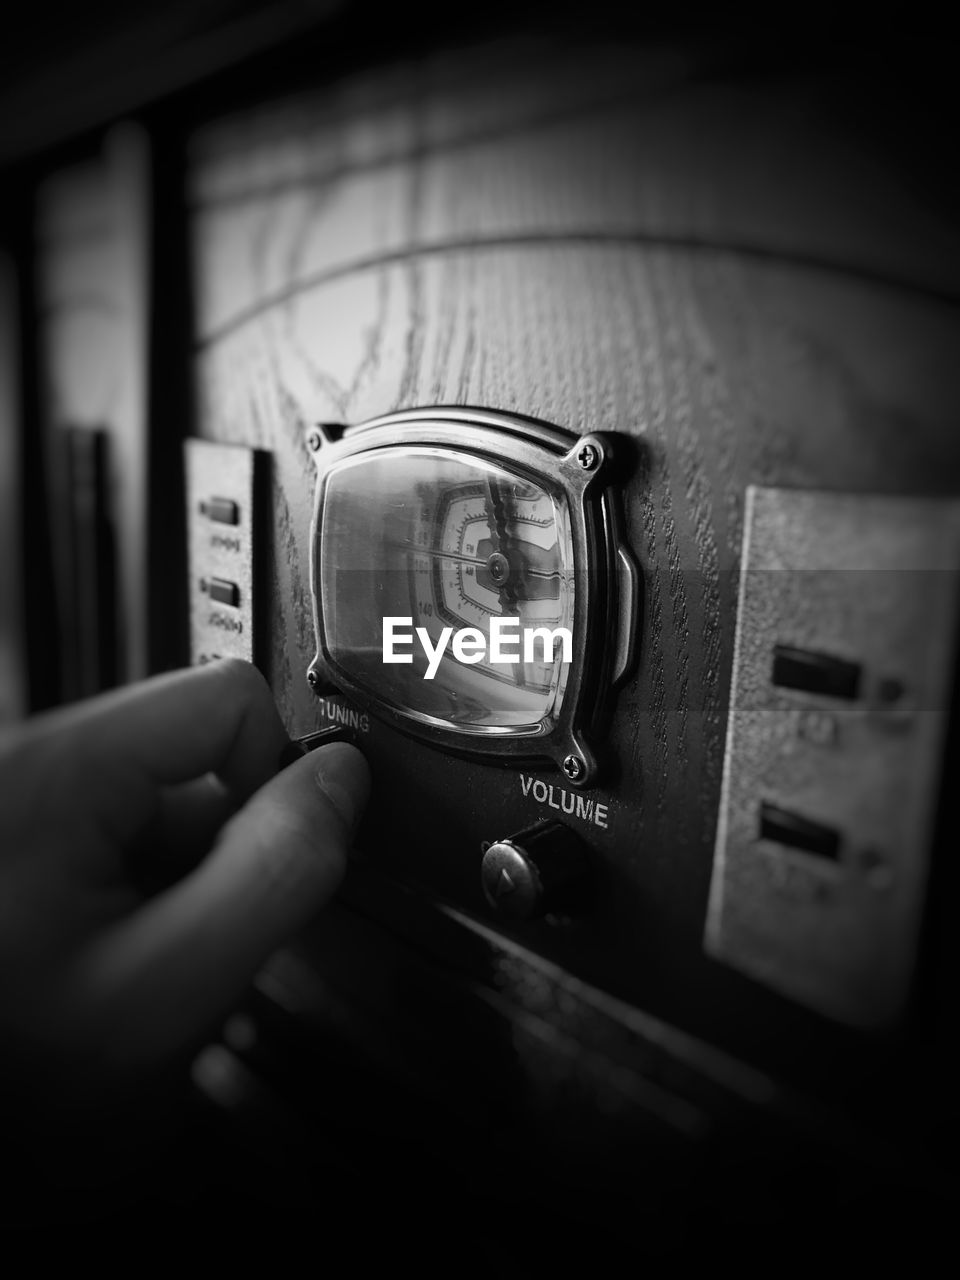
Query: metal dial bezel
(583,469)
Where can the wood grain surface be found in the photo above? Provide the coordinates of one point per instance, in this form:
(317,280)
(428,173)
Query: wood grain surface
(731,269)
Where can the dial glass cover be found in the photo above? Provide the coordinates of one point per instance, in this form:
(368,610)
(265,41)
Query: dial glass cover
(447,541)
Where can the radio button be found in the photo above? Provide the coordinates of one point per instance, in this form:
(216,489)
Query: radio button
(224,592)
(222,510)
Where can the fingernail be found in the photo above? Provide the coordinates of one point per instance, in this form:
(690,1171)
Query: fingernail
(290,753)
(344,778)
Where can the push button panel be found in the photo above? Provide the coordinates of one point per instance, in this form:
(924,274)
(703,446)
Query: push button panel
(221,492)
(841,687)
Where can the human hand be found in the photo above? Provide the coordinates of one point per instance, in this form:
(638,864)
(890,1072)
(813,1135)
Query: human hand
(101,982)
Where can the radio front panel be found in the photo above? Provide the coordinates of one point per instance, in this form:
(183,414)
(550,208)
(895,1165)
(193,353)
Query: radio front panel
(534,377)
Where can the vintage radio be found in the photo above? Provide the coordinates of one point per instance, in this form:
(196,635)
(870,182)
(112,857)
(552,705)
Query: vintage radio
(570,423)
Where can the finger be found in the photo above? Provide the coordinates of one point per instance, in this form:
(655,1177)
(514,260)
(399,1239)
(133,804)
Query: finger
(110,757)
(218,718)
(180,962)
(181,834)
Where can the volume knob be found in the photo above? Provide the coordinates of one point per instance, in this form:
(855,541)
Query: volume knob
(541,871)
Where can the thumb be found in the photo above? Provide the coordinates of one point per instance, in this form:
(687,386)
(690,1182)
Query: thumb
(168,972)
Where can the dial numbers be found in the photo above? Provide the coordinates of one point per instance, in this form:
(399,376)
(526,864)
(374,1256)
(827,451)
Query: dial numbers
(495,564)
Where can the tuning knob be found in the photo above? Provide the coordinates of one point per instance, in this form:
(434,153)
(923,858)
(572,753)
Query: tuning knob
(541,871)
